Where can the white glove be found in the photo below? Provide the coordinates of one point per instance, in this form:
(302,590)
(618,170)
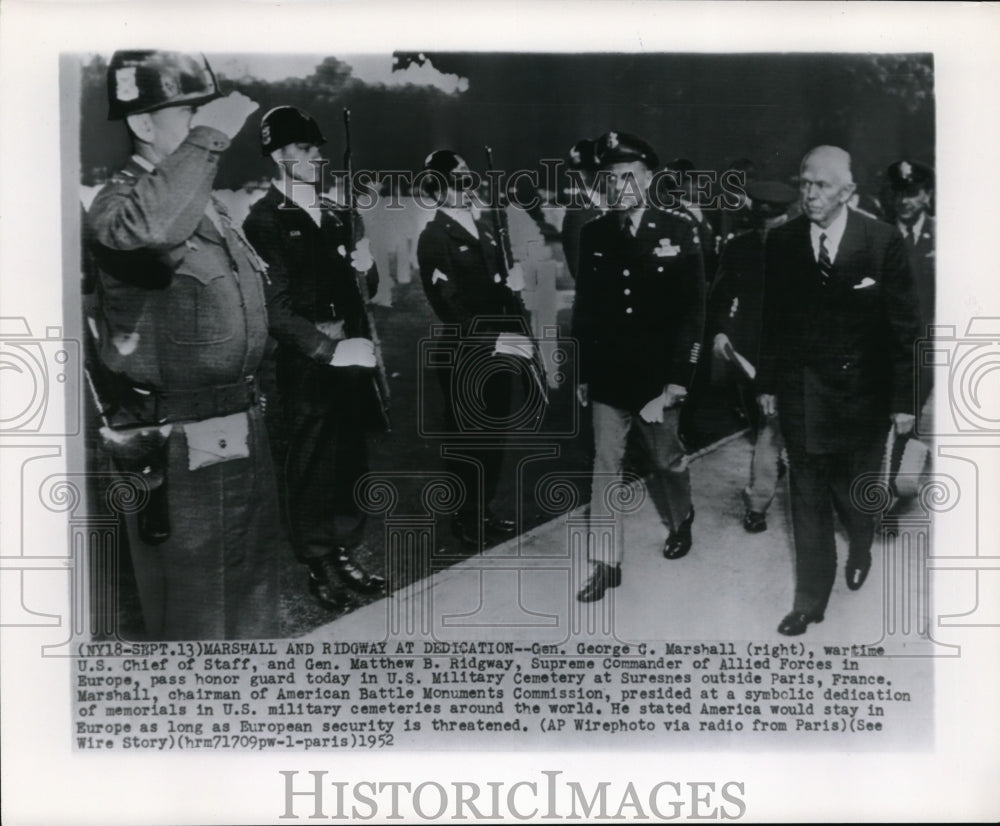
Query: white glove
(515,278)
(354,352)
(513,344)
(361,256)
(675,394)
(652,411)
(583,394)
(226,114)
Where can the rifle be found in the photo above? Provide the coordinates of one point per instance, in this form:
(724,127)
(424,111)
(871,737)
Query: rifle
(380,380)
(503,236)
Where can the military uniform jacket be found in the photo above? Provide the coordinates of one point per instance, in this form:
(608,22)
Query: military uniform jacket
(921,255)
(736,299)
(463,278)
(639,310)
(838,355)
(181,301)
(309,274)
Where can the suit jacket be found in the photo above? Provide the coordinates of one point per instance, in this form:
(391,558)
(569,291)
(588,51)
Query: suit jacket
(639,309)
(463,277)
(838,355)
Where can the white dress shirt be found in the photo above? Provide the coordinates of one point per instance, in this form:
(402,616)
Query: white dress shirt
(833,234)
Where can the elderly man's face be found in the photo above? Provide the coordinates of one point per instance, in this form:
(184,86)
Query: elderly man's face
(825,185)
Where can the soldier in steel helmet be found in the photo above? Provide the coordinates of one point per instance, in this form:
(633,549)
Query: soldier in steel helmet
(181,327)
(324,357)
(462,263)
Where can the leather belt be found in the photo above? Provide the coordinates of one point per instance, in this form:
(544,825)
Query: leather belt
(197,404)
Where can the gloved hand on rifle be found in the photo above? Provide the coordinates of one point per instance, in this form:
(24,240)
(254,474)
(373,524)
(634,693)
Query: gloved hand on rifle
(361,256)
(514,344)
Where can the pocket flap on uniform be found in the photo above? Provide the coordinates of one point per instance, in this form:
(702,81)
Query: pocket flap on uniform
(221,439)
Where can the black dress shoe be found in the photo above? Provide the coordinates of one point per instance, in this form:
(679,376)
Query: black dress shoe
(679,541)
(355,576)
(464,529)
(323,577)
(603,577)
(796,623)
(856,573)
(754,522)
(495,526)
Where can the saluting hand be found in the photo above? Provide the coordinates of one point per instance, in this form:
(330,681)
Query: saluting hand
(227,114)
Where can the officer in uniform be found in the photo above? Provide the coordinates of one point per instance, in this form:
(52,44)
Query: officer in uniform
(911,191)
(181,327)
(638,318)
(461,267)
(325,356)
(583,201)
(734,320)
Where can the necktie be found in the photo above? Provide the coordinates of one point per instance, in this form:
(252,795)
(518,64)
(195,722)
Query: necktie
(825,264)
(627,229)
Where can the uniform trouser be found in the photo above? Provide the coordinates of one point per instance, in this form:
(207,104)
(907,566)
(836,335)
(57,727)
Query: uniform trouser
(819,485)
(669,481)
(476,410)
(327,455)
(216,576)
(766,458)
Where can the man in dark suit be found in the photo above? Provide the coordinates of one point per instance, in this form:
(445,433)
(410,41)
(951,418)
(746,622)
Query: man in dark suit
(837,352)
(324,357)
(638,318)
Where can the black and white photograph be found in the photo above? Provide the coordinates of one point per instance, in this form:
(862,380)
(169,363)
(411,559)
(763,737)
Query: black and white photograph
(401,393)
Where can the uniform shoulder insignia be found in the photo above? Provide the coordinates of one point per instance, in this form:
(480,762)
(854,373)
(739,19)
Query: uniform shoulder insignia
(679,213)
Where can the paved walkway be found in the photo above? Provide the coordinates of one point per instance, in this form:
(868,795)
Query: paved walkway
(732,586)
